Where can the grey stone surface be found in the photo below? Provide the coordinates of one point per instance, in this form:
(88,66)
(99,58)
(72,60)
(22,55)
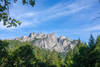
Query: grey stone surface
(50,41)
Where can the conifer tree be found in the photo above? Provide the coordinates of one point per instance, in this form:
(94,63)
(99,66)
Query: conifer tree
(91,42)
(69,58)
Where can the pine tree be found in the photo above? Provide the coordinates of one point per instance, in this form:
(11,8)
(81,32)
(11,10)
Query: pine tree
(53,59)
(94,55)
(91,42)
(97,52)
(83,55)
(69,58)
(76,54)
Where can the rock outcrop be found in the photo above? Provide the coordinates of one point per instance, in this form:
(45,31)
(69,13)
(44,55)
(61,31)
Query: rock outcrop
(50,41)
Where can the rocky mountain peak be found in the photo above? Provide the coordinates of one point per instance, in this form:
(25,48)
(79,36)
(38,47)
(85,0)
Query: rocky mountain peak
(24,37)
(53,34)
(50,41)
(62,37)
(32,35)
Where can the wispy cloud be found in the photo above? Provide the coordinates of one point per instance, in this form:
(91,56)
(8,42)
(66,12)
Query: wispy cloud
(29,14)
(58,10)
(25,24)
(93,28)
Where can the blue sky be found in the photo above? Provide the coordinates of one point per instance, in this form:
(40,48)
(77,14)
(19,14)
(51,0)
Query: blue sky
(72,18)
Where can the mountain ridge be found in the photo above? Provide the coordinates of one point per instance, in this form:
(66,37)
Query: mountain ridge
(50,41)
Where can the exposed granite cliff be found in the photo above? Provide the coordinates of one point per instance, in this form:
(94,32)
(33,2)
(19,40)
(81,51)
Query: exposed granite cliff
(50,41)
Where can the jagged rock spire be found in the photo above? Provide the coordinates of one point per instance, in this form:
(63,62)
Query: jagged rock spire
(50,41)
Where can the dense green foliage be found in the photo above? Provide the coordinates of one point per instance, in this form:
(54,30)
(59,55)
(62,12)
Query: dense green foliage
(4,12)
(13,53)
(83,55)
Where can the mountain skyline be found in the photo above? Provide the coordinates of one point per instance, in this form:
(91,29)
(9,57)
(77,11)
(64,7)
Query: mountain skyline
(49,41)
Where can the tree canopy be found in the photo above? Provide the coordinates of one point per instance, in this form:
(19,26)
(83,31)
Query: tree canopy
(4,12)
(14,53)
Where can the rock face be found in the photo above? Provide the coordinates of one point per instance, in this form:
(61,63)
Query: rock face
(50,41)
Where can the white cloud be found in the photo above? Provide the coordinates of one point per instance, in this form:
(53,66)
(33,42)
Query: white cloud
(2,27)
(25,24)
(93,28)
(64,13)
(58,10)
(29,14)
